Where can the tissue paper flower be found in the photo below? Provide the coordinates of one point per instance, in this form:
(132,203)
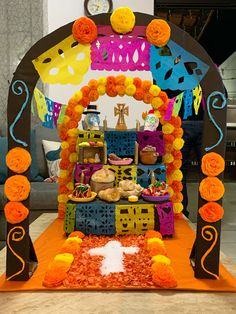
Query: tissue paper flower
(17,188)
(18,159)
(84,30)
(158,32)
(15,212)
(212,164)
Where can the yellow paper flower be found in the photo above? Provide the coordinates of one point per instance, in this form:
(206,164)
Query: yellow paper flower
(70,186)
(128,81)
(64,145)
(178,207)
(167,128)
(170,191)
(157,102)
(122,20)
(73,157)
(102,80)
(63,173)
(130,90)
(62,198)
(64,257)
(79,109)
(178,143)
(177,175)
(74,239)
(101,90)
(77,96)
(154,90)
(168,158)
(155,240)
(161,259)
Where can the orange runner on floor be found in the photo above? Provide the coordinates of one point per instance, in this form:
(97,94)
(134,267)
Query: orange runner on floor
(178,248)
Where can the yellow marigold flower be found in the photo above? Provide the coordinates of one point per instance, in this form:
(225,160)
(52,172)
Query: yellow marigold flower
(78,95)
(157,114)
(70,186)
(64,145)
(62,198)
(63,173)
(168,158)
(167,128)
(73,132)
(161,259)
(101,90)
(178,143)
(79,109)
(74,239)
(154,90)
(155,240)
(130,90)
(122,20)
(66,119)
(177,175)
(178,207)
(64,257)
(102,80)
(128,81)
(170,191)
(157,102)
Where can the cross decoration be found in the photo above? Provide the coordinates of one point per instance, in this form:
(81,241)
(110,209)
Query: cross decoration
(121,110)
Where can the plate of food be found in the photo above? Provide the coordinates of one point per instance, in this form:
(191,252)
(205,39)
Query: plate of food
(156,192)
(82,193)
(115,160)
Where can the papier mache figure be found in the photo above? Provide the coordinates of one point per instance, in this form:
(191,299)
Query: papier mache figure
(92,119)
(151,121)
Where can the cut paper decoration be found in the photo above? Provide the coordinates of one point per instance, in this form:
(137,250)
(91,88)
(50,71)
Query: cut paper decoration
(113,254)
(48,118)
(212,100)
(65,63)
(169,110)
(62,114)
(40,103)
(174,68)
(197,98)
(188,104)
(119,53)
(177,104)
(18,90)
(56,112)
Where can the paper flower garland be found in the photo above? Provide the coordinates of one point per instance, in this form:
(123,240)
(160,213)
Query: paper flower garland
(84,30)
(158,32)
(17,188)
(18,159)
(211,189)
(122,20)
(212,164)
(15,212)
(211,212)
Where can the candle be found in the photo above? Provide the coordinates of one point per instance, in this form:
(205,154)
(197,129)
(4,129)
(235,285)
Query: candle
(105,124)
(137,125)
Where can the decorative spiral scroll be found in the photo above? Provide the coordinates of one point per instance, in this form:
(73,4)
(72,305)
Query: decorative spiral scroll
(215,106)
(209,236)
(16,236)
(18,90)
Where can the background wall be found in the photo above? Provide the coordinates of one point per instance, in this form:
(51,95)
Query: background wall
(22,23)
(62,12)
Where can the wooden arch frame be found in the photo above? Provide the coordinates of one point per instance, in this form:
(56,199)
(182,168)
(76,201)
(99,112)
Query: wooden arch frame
(18,116)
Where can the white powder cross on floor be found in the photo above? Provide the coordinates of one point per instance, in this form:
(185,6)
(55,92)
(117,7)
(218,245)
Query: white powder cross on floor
(113,254)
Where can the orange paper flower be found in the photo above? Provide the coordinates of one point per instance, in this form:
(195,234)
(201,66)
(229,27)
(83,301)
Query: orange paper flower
(211,189)
(93,95)
(54,277)
(139,93)
(18,159)
(146,85)
(177,186)
(15,212)
(71,247)
(153,234)
(156,249)
(211,212)
(17,188)
(177,198)
(84,30)
(164,276)
(158,32)
(212,164)
(78,234)
(120,90)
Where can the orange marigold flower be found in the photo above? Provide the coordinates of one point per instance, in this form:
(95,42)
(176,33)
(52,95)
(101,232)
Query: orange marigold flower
(164,97)
(71,248)
(176,121)
(111,80)
(93,84)
(72,148)
(15,212)
(138,95)
(155,249)
(84,30)
(147,98)
(153,234)
(158,32)
(63,189)
(168,138)
(111,90)
(63,132)
(54,277)
(178,132)
(120,79)
(212,164)
(85,90)
(146,85)
(78,234)
(84,101)
(17,188)
(137,82)
(177,186)
(18,159)
(211,189)
(170,168)
(72,124)
(211,212)
(64,164)
(120,90)
(177,163)
(177,198)
(164,276)
(65,153)
(177,154)
(93,95)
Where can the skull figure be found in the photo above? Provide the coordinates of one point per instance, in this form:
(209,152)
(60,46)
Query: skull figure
(92,121)
(151,122)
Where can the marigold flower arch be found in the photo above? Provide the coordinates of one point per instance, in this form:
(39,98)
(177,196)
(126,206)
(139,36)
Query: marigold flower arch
(113,86)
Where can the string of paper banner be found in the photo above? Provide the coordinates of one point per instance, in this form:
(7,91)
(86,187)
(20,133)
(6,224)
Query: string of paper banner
(51,113)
